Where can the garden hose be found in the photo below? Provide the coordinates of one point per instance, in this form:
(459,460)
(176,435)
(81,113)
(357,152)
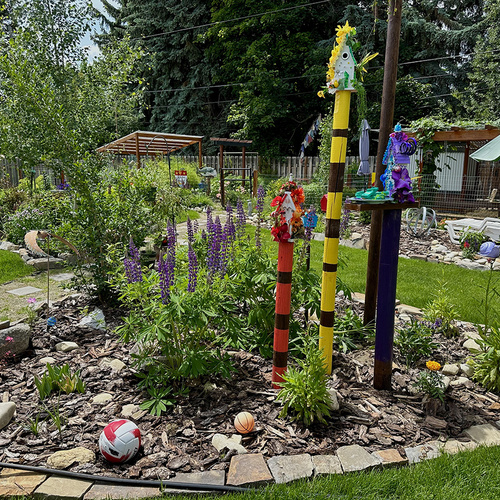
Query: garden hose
(129,482)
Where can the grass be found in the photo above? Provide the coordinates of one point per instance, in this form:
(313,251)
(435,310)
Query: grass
(12,267)
(469,475)
(418,280)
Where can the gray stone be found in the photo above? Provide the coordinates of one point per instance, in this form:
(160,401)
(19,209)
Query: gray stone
(451,255)
(288,468)
(467,370)
(19,482)
(94,320)
(390,458)
(418,256)
(48,359)
(41,263)
(435,260)
(453,446)
(471,345)
(334,402)
(66,346)
(449,369)
(221,442)
(115,364)
(129,410)
(440,249)
(7,245)
(481,261)
(20,335)
(405,309)
(355,457)
(358,297)
(65,458)
(4,324)
(62,276)
(25,290)
(215,477)
(326,464)
(355,236)
(248,470)
(116,491)
(446,382)
(102,398)
(459,381)
(7,411)
(484,434)
(62,488)
(422,452)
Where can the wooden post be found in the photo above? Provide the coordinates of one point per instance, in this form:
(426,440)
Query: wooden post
(243,166)
(386,119)
(388,272)
(221,170)
(255,181)
(332,224)
(282,311)
(137,151)
(200,157)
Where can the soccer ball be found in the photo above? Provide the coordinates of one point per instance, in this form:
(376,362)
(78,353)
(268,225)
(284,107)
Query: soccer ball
(119,441)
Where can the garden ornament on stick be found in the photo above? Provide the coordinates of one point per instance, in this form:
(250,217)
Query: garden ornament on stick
(30,239)
(287,225)
(341,81)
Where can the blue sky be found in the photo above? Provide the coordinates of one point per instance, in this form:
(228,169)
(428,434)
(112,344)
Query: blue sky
(86,41)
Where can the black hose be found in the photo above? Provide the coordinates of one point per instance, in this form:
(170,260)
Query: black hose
(128,482)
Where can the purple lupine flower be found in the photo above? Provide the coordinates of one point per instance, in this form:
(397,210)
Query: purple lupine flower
(195,227)
(171,235)
(344,222)
(134,252)
(241,219)
(132,264)
(210,222)
(223,254)
(193,270)
(190,233)
(231,230)
(130,270)
(203,235)
(261,194)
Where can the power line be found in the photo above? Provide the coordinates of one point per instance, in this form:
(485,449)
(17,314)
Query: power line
(208,25)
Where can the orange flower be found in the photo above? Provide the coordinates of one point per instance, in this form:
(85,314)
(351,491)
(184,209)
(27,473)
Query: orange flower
(433,366)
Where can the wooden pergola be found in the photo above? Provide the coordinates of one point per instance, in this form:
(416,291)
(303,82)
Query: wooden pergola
(142,143)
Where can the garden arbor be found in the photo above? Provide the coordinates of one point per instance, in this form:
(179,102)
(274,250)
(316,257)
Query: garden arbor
(142,143)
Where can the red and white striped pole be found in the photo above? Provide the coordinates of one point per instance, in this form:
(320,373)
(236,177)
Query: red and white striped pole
(282,311)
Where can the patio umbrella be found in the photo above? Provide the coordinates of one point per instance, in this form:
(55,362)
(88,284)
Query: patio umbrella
(364,149)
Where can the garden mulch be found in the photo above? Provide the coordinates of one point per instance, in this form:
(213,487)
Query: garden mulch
(180,440)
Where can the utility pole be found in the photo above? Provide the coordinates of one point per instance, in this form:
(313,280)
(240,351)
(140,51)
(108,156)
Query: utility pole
(386,125)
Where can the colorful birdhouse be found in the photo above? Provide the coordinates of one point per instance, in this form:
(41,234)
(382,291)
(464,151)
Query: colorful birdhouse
(342,65)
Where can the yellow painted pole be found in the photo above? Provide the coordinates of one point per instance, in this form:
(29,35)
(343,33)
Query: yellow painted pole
(332,226)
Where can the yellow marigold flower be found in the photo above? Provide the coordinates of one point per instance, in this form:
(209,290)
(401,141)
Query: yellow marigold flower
(321,94)
(433,366)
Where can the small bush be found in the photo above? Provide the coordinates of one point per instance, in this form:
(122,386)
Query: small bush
(486,362)
(349,331)
(471,241)
(414,342)
(58,379)
(441,312)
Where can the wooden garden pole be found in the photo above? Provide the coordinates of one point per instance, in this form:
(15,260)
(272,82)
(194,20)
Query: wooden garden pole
(386,125)
(282,311)
(333,214)
(221,170)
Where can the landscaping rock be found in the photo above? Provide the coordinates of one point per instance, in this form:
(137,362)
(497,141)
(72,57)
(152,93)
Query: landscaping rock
(129,410)
(7,411)
(102,399)
(20,335)
(467,370)
(471,345)
(115,491)
(115,364)
(41,264)
(66,346)
(414,311)
(390,458)
(215,477)
(48,359)
(326,464)
(485,434)
(355,457)
(248,470)
(221,442)
(453,446)
(288,468)
(422,452)
(4,324)
(459,381)
(7,245)
(65,458)
(94,320)
(63,488)
(334,402)
(450,369)
(19,482)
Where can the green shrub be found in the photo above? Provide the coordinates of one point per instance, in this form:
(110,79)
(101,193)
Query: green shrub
(313,193)
(486,361)
(304,390)
(441,312)
(349,331)
(23,221)
(470,242)
(414,342)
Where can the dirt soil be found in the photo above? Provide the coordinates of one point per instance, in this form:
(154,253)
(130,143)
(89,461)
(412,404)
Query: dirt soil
(180,441)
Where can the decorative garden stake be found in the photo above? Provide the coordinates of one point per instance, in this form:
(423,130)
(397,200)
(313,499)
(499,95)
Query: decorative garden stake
(287,226)
(340,80)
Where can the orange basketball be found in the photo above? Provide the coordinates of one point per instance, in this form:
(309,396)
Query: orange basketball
(244,422)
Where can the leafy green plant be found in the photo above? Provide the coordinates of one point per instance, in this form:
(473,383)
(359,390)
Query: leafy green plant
(304,390)
(349,331)
(56,416)
(34,424)
(470,242)
(414,342)
(159,401)
(365,217)
(486,361)
(432,384)
(60,379)
(441,312)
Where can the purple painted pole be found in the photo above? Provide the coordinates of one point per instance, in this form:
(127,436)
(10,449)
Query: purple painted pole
(386,298)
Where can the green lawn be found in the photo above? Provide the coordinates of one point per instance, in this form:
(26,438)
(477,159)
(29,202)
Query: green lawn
(12,267)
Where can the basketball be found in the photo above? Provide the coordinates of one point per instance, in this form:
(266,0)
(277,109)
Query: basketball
(244,422)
